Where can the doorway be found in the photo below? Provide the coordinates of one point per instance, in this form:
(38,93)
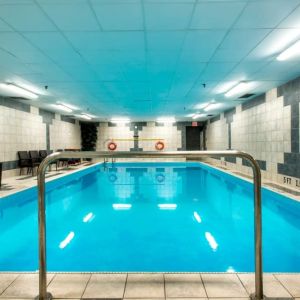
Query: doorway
(193,137)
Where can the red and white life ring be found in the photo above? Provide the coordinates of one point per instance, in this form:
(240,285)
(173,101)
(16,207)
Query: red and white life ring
(159,146)
(111,146)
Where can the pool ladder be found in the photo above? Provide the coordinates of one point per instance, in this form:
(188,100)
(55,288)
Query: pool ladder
(44,295)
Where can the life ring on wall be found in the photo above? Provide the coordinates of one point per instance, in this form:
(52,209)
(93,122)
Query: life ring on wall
(159,146)
(111,146)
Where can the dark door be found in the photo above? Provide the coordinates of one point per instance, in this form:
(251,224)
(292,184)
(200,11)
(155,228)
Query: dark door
(193,138)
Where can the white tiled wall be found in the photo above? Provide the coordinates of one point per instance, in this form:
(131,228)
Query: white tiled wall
(64,135)
(107,134)
(263,131)
(167,133)
(21,130)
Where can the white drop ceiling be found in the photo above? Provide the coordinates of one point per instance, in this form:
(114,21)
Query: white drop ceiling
(145,58)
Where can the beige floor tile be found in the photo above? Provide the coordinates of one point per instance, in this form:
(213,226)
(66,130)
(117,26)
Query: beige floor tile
(223,285)
(291,282)
(68,285)
(188,298)
(6,280)
(145,286)
(25,286)
(184,285)
(105,286)
(232,298)
(272,287)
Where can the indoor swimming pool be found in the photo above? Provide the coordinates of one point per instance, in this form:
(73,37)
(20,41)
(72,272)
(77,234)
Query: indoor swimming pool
(149,217)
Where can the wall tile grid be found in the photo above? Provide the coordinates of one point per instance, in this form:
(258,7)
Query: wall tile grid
(64,135)
(143,130)
(262,127)
(24,128)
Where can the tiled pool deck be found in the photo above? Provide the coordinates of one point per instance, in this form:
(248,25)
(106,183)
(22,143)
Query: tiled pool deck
(148,286)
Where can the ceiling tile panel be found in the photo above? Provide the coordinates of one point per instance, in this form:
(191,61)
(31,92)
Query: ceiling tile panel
(292,21)
(165,40)
(216,15)
(167,16)
(121,16)
(71,16)
(265,14)
(119,41)
(25,18)
(4,26)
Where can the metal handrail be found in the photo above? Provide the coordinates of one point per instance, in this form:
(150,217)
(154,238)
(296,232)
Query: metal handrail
(43,295)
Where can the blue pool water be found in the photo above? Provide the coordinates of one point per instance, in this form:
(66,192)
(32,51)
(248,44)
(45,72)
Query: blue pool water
(149,217)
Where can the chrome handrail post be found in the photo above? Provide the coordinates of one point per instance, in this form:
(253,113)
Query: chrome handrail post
(43,295)
(258,295)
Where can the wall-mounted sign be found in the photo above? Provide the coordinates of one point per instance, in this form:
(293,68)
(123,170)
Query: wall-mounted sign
(194,124)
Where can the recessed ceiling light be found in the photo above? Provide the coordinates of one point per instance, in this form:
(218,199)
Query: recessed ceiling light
(9,87)
(239,88)
(290,52)
(166,120)
(120,120)
(62,107)
(213,106)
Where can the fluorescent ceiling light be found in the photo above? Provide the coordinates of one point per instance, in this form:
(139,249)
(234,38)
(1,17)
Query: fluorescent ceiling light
(224,87)
(11,88)
(120,120)
(121,206)
(201,105)
(166,120)
(290,52)
(170,206)
(85,116)
(213,106)
(67,240)
(68,105)
(62,107)
(211,241)
(197,116)
(239,88)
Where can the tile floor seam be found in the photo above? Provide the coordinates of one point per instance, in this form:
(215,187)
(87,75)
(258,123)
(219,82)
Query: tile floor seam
(86,286)
(165,292)
(275,276)
(243,284)
(54,275)
(125,285)
(203,285)
(10,284)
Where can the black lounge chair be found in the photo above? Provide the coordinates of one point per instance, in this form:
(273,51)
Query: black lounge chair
(25,161)
(64,161)
(44,154)
(0,174)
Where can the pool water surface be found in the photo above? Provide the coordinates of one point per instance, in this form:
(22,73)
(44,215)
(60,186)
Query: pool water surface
(150,217)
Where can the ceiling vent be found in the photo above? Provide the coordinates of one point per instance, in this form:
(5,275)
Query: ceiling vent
(246,96)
